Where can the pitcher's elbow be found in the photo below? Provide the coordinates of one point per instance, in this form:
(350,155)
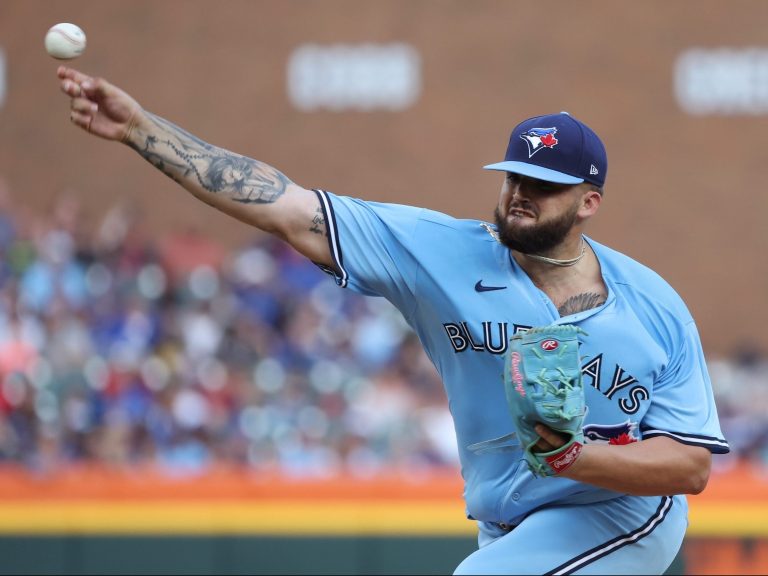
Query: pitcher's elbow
(697,480)
(697,485)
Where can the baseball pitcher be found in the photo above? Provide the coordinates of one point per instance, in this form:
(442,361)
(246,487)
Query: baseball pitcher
(575,375)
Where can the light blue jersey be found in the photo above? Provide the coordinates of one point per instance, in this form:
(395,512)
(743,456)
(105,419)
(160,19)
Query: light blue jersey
(465,296)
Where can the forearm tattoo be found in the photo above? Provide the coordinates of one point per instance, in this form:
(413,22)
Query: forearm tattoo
(181,156)
(581,302)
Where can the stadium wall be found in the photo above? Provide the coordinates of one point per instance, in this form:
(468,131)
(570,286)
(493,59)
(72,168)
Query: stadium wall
(678,97)
(95,520)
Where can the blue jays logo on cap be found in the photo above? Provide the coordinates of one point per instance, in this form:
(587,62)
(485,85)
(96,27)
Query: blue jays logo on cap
(575,153)
(539,138)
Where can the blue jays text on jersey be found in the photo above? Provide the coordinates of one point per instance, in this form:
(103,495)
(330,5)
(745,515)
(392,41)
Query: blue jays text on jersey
(495,340)
(464,296)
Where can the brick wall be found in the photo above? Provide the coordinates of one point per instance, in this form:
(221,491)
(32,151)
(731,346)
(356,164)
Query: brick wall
(684,194)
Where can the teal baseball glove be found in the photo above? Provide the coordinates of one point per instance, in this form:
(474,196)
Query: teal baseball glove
(542,381)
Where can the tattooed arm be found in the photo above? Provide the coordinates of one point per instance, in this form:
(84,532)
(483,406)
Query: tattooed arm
(241,187)
(246,189)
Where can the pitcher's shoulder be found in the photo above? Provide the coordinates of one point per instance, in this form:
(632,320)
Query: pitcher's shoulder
(471,228)
(638,282)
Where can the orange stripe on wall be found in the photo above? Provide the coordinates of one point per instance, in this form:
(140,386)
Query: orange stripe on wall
(297,518)
(234,517)
(98,483)
(742,484)
(105,501)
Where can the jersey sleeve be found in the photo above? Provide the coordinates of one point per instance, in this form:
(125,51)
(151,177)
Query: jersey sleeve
(372,247)
(683,406)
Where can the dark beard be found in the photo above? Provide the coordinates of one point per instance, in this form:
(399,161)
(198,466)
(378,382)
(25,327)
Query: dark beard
(537,239)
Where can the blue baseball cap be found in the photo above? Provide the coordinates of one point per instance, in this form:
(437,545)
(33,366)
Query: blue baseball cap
(556,148)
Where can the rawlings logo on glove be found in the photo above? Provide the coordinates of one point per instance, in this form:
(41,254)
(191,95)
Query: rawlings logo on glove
(542,381)
(517,376)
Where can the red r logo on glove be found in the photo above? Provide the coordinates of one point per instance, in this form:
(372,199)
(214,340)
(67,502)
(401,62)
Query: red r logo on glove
(549,345)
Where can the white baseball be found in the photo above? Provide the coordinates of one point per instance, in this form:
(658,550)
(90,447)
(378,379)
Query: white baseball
(65,41)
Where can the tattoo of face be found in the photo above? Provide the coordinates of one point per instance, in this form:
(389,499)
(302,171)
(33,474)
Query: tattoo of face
(581,302)
(318,224)
(179,154)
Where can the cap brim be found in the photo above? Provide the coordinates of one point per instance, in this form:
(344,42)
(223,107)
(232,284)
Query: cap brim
(533,171)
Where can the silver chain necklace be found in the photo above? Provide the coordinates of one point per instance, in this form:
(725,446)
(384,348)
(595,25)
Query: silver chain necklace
(556,262)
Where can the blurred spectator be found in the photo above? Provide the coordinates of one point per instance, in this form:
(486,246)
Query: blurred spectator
(741,389)
(122,349)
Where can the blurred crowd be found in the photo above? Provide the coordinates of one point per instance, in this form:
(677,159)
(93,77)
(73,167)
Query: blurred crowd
(124,349)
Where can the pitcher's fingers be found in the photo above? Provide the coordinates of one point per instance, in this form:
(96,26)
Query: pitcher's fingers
(544,446)
(66,73)
(81,119)
(71,88)
(549,436)
(83,105)
(96,88)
